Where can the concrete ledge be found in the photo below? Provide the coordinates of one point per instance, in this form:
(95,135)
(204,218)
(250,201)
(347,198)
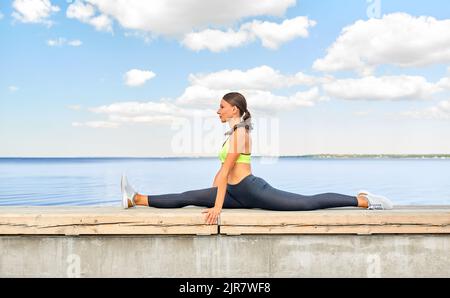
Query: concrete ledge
(404,255)
(410,241)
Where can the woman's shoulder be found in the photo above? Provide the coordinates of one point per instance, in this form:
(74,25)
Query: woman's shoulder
(241,134)
(241,131)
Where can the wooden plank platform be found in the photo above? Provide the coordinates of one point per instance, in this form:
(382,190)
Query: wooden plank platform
(402,219)
(102,220)
(86,220)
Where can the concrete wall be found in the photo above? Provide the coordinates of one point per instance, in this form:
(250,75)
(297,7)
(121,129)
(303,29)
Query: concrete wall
(390,255)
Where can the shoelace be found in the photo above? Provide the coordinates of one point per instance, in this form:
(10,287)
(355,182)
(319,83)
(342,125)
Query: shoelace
(375,207)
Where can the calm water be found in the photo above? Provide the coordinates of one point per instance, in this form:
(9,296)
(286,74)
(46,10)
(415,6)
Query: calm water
(96,181)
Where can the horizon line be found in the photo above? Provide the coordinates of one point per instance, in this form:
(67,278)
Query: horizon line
(268,156)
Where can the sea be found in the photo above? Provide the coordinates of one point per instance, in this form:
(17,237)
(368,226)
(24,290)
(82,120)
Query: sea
(95,181)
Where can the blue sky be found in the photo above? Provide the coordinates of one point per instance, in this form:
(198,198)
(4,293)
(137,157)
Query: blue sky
(380,86)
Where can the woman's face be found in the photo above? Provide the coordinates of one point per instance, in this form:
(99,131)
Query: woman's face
(226,111)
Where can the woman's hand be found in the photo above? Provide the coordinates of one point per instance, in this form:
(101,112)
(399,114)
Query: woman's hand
(211,215)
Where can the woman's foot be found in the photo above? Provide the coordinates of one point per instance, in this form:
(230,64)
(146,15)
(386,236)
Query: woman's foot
(375,202)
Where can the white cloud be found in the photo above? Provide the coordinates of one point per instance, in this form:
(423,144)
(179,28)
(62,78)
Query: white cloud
(261,77)
(202,97)
(147,37)
(74,107)
(272,35)
(137,77)
(261,100)
(85,13)
(166,111)
(197,22)
(1,15)
(164,17)
(172,18)
(382,88)
(361,113)
(444,83)
(101,23)
(206,89)
(55,42)
(13,88)
(398,39)
(80,11)
(163,112)
(216,40)
(62,41)
(136,108)
(33,11)
(96,124)
(269,102)
(440,111)
(74,43)
(156,119)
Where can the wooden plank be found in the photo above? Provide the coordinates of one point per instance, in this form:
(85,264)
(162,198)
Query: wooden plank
(336,217)
(360,229)
(189,220)
(102,220)
(404,219)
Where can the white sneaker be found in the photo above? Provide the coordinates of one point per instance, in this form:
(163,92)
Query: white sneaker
(128,193)
(377,202)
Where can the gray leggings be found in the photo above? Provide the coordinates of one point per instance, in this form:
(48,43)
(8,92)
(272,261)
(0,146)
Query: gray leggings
(253,192)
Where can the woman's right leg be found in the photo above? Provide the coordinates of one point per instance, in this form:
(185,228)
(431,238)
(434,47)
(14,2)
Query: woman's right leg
(205,197)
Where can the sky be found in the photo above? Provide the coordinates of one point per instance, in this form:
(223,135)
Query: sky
(92,78)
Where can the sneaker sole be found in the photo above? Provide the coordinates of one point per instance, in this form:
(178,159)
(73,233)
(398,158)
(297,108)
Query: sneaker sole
(124,194)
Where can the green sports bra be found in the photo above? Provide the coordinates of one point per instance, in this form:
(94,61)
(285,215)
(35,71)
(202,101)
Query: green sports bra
(243,157)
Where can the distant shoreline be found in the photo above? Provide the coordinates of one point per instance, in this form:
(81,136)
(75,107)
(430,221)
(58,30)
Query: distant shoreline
(311,156)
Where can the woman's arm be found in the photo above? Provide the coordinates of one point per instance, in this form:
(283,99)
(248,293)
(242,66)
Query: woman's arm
(221,179)
(215,178)
(237,143)
(221,182)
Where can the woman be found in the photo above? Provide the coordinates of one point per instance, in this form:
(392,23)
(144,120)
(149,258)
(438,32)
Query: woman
(234,184)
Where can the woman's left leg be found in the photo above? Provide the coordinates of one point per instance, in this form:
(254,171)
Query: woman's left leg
(257,193)
(276,199)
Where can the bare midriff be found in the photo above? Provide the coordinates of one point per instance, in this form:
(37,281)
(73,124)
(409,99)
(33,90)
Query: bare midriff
(239,172)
